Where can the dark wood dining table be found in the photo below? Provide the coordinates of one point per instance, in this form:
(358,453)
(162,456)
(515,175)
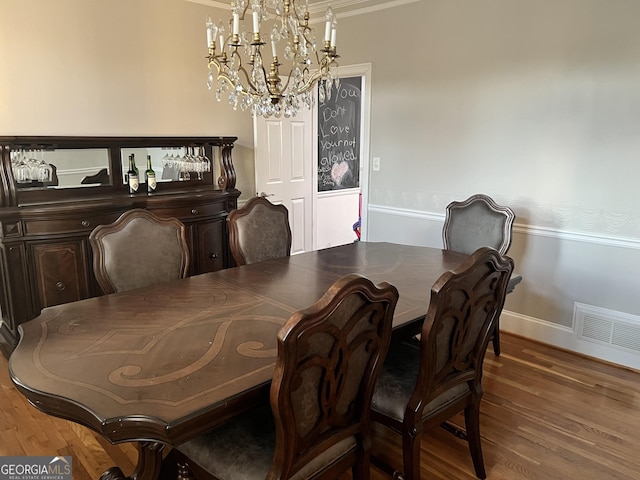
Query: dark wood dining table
(161,364)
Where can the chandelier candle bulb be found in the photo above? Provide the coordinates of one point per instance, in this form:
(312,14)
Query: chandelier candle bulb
(210,32)
(334,31)
(236,23)
(256,23)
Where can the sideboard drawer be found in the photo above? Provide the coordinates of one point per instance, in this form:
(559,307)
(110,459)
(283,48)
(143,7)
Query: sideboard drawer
(68,225)
(184,213)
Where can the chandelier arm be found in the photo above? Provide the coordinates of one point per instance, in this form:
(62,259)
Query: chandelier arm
(223,72)
(224,75)
(321,72)
(251,86)
(286,85)
(244,11)
(252,91)
(308,85)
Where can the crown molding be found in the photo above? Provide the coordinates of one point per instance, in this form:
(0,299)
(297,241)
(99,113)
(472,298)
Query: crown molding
(212,3)
(342,8)
(350,8)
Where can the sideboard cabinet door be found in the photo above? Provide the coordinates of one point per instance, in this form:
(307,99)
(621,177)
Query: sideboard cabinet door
(210,246)
(60,272)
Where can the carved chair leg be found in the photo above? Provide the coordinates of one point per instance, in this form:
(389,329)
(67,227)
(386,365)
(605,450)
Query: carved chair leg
(184,473)
(472,423)
(361,469)
(411,456)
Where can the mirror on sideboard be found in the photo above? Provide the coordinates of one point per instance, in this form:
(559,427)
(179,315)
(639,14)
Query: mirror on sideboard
(60,168)
(38,168)
(168,163)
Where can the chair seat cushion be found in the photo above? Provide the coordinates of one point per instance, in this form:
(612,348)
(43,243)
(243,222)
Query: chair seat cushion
(397,381)
(243,449)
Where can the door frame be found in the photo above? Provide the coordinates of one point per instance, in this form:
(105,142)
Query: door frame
(363,70)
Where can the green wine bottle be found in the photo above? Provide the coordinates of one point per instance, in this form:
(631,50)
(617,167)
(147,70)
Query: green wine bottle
(150,176)
(132,175)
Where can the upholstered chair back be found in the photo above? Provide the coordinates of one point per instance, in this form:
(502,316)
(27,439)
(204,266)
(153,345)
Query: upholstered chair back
(463,307)
(477,222)
(329,357)
(137,250)
(259,231)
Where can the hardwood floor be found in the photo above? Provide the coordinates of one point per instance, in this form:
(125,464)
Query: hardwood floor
(546,415)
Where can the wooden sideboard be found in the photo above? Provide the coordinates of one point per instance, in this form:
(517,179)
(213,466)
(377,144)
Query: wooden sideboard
(45,256)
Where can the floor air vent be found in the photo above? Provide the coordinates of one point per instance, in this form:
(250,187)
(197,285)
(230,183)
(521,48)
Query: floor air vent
(608,327)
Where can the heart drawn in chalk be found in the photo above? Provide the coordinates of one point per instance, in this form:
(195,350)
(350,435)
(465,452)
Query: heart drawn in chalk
(338,171)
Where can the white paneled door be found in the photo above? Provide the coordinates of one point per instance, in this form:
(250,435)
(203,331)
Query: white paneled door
(284,170)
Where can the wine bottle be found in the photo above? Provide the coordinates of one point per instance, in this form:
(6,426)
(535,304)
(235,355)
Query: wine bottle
(133,160)
(132,175)
(150,176)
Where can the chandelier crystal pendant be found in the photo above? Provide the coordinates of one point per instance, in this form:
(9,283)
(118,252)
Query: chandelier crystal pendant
(255,77)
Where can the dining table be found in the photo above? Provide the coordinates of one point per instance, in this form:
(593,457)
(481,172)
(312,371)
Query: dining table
(161,364)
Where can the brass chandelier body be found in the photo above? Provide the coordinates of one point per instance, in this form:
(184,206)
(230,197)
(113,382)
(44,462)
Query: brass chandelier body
(250,77)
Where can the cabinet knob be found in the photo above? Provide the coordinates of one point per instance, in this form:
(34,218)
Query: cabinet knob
(85,223)
(61,286)
(213,256)
(194,211)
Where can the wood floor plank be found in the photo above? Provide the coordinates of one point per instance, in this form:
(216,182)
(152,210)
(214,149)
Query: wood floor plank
(547,414)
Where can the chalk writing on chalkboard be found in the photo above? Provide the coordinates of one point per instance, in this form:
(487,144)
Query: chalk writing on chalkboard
(339,136)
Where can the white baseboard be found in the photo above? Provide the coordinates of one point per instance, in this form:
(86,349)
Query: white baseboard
(565,338)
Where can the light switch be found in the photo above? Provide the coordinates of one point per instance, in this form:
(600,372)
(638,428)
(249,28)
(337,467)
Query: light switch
(376,164)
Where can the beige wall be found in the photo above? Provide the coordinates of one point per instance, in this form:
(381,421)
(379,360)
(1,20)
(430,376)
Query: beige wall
(116,67)
(536,102)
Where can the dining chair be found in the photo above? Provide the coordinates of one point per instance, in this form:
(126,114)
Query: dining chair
(423,386)
(317,423)
(259,231)
(477,222)
(137,250)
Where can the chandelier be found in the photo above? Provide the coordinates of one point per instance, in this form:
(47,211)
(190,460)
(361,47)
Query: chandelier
(257,78)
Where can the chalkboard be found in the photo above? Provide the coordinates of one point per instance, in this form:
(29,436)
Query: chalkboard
(339,136)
